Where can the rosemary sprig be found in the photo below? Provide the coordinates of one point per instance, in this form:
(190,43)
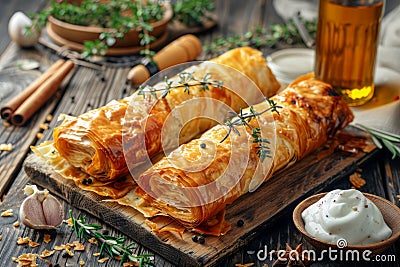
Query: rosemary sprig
(380,137)
(186,81)
(243,119)
(113,246)
(260,37)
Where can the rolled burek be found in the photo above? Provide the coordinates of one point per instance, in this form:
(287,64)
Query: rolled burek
(195,182)
(102,141)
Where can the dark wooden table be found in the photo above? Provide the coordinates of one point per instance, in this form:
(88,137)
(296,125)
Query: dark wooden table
(86,90)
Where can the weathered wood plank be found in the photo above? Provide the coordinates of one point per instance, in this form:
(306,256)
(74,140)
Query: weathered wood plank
(13,81)
(310,175)
(391,178)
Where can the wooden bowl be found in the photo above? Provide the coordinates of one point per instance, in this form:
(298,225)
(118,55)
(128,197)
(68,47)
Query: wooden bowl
(390,212)
(79,34)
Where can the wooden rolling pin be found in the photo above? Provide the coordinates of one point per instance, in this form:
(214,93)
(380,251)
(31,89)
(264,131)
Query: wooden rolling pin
(185,48)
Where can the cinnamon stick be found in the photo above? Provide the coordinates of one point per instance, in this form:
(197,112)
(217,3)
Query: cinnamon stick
(41,95)
(7,110)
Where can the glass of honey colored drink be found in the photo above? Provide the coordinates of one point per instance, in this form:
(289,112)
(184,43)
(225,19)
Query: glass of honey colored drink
(346,46)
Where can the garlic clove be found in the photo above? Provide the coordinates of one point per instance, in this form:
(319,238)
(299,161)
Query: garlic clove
(50,207)
(31,212)
(40,210)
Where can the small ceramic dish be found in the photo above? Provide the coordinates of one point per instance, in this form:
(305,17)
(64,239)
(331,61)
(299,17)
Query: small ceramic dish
(390,212)
(288,64)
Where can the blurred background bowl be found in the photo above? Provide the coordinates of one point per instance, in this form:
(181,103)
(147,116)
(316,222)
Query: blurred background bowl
(288,64)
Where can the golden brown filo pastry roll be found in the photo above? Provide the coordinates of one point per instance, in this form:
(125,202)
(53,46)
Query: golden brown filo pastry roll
(195,182)
(93,141)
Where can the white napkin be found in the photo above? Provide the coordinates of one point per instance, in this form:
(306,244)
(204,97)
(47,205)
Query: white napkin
(383,111)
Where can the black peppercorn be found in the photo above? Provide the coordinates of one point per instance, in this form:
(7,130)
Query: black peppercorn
(203,145)
(240,223)
(195,238)
(201,239)
(84,181)
(105,232)
(89,181)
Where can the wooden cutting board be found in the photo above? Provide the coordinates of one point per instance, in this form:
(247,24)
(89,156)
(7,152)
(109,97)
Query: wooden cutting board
(258,210)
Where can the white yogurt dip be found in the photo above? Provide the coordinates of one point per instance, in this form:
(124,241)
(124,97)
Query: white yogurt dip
(346,214)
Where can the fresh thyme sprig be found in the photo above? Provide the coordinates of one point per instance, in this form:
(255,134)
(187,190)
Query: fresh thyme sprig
(243,119)
(260,37)
(186,80)
(380,137)
(113,246)
(192,13)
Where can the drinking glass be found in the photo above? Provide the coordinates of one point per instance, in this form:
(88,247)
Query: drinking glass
(346,46)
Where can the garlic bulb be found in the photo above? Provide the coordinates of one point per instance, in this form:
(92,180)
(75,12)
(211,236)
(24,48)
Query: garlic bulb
(16,29)
(40,210)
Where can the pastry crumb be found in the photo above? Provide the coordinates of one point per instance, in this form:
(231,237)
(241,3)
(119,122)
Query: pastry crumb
(44,126)
(46,238)
(96,254)
(356,180)
(6,124)
(47,253)
(16,224)
(39,135)
(81,263)
(68,250)
(93,241)
(49,117)
(6,147)
(7,213)
(61,247)
(102,260)
(28,259)
(77,246)
(22,241)
(33,244)
(69,222)
(130,264)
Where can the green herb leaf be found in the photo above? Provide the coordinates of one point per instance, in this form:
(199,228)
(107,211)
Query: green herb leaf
(243,119)
(260,37)
(113,246)
(186,81)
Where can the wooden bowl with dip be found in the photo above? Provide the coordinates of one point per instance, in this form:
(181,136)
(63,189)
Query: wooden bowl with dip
(390,213)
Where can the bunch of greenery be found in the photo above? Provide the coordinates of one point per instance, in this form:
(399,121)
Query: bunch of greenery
(110,14)
(261,37)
